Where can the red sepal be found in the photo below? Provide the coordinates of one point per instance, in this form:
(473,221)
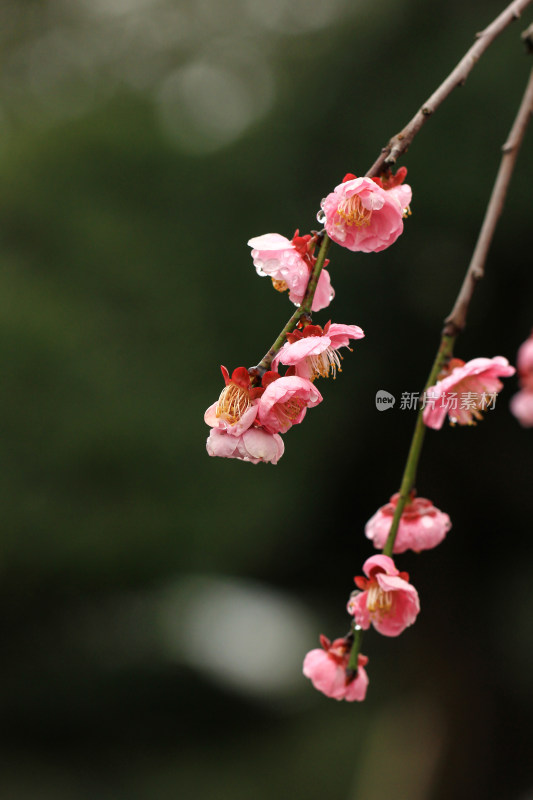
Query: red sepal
(361,582)
(239,377)
(312,330)
(389,181)
(294,336)
(349,177)
(269,377)
(300,243)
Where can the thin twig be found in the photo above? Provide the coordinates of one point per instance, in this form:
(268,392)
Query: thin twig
(400,143)
(456,320)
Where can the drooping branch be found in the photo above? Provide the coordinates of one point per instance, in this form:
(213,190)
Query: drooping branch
(398,145)
(401,141)
(456,320)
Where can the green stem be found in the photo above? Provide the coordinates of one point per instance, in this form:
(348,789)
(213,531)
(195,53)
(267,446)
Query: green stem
(303,310)
(409,476)
(356,649)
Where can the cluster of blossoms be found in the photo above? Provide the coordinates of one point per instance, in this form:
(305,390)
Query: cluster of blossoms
(384,598)
(247,420)
(522,402)
(256,407)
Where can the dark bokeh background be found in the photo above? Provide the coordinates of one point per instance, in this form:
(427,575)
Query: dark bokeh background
(156,604)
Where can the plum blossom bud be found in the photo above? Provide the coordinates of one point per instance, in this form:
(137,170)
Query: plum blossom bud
(364,214)
(327,668)
(422,526)
(464,390)
(388,601)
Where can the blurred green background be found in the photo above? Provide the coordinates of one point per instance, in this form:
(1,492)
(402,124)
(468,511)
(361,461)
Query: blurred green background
(156,604)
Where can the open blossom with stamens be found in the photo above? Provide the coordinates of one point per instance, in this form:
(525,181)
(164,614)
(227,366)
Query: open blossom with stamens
(388,601)
(422,526)
(327,670)
(285,402)
(364,216)
(313,351)
(254,445)
(289,263)
(234,412)
(464,390)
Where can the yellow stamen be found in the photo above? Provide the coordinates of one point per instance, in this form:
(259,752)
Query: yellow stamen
(324,363)
(289,411)
(233,402)
(353,212)
(279,286)
(378,600)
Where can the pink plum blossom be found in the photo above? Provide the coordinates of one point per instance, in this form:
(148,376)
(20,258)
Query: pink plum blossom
(466,390)
(313,351)
(524,360)
(388,601)
(234,412)
(285,402)
(422,526)
(327,670)
(364,216)
(289,263)
(522,407)
(522,403)
(253,445)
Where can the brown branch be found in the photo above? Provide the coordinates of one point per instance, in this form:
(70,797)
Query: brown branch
(456,320)
(400,143)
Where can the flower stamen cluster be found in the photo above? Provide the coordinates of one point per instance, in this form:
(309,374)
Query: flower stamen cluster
(313,351)
(234,399)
